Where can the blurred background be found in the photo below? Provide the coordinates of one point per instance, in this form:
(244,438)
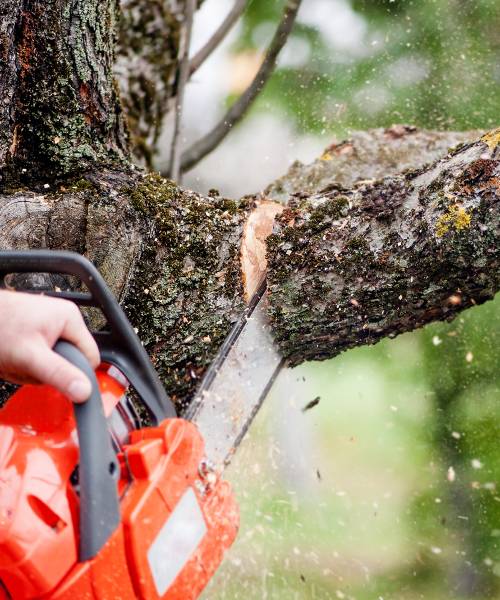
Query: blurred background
(389,487)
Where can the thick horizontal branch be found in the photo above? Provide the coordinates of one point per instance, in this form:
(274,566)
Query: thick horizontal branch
(372,154)
(350,266)
(171,256)
(347,265)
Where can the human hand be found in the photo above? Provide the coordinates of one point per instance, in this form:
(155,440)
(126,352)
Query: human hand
(30,325)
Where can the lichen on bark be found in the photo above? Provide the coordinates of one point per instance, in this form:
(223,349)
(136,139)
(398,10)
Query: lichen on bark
(350,266)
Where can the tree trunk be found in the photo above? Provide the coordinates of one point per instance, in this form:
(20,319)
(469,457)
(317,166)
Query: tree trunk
(353,257)
(60,111)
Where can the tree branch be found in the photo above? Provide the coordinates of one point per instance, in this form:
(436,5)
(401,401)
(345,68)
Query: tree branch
(346,266)
(175,152)
(209,142)
(371,154)
(203,53)
(350,266)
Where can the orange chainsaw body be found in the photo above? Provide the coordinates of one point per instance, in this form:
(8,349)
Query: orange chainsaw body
(177,517)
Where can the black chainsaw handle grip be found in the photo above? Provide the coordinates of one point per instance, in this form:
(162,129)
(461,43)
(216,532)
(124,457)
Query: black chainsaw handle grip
(98,466)
(119,346)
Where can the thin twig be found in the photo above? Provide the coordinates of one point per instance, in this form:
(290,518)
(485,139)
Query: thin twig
(209,142)
(201,56)
(175,152)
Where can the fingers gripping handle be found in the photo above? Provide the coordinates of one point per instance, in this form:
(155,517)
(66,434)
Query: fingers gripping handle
(119,345)
(98,467)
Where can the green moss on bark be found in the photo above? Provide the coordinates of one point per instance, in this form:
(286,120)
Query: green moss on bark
(65,114)
(409,249)
(186,289)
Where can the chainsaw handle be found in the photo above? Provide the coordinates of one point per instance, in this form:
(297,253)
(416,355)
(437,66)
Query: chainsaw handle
(98,467)
(119,346)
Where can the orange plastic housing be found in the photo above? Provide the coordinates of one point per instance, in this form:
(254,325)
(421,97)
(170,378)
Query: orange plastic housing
(177,519)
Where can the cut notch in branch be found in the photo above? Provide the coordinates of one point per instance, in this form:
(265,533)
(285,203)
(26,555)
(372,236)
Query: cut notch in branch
(227,24)
(209,142)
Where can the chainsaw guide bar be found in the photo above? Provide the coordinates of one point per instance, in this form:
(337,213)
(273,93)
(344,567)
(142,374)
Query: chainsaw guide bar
(236,383)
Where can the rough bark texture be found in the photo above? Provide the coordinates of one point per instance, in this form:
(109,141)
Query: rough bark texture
(372,154)
(146,67)
(170,256)
(60,111)
(90,216)
(9,14)
(339,259)
(350,266)
(186,291)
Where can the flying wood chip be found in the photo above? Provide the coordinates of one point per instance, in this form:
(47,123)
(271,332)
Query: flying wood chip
(311,404)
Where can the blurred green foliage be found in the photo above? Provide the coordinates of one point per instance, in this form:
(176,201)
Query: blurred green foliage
(403,498)
(406,504)
(461,363)
(432,63)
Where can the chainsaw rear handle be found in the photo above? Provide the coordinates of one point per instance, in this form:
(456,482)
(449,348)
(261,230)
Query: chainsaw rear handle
(118,346)
(98,469)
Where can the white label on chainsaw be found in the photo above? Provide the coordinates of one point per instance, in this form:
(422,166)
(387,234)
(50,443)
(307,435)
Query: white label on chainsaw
(176,541)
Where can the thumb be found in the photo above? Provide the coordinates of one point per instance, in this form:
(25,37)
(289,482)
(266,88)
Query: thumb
(50,368)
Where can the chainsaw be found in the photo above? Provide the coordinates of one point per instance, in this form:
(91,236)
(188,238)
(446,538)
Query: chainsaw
(120,497)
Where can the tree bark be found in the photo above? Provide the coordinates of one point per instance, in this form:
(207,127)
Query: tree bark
(339,260)
(146,68)
(350,266)
(60,112)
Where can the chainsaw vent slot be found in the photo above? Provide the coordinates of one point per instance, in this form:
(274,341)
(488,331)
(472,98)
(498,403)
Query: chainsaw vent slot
(52,284)
(45,513)
(74,479)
